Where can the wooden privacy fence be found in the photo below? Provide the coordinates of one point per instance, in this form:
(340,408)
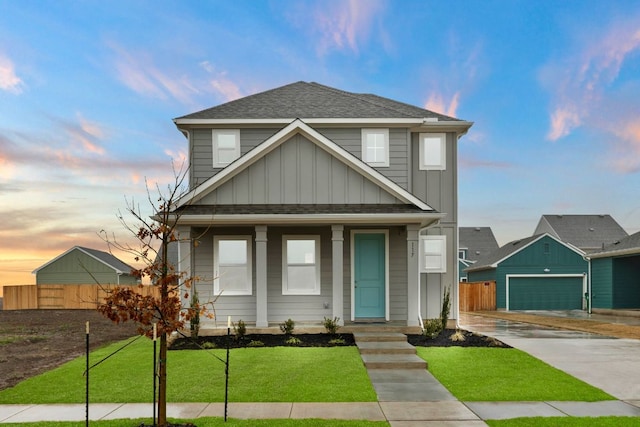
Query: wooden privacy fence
(60,297)
(477,296)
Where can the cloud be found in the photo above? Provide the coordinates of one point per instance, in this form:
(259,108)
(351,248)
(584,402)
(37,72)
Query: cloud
(341,26)
(579,82)
(437,103)
(465,162)
(138,72)
(221,83)
(9,81)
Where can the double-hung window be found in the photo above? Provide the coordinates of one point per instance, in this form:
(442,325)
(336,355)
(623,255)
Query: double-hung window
(232,265)
(433,254)
(301,265)
(433,153)
(375,147)
(226,146)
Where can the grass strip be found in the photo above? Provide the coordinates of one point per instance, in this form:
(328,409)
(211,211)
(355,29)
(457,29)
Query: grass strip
(276,374)
(500,374)
(566,422)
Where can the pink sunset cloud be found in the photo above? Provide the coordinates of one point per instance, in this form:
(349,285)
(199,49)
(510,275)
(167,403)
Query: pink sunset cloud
(9,80)
(221,83)
(582,79)
(439,104)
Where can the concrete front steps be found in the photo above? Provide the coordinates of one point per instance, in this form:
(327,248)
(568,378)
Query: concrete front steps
(387,350)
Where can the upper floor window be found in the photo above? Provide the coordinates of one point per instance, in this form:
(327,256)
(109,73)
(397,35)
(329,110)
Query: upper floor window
(301,265)
(433,254)
(375,147)
(226,146)
(232,265)
(433,151)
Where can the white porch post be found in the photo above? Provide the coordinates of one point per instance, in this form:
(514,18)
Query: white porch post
(413,275)
(184,259)
(261,276)
(337,244)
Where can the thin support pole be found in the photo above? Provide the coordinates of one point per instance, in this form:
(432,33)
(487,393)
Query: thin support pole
(87,379)
(226,374)
(155,372)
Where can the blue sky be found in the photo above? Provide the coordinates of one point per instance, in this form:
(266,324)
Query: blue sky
(88,90)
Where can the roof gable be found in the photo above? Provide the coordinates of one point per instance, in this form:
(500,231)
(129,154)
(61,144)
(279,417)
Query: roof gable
(587,232)
(478,241)
(510,249)
(312,100)
(285,134)
(103,257)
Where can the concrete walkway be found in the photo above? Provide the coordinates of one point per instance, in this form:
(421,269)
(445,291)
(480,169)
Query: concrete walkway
(408,395)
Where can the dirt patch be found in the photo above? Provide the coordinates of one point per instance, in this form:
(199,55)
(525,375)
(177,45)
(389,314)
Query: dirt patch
(264,340)
(455,338)
(35,341)
(582,325)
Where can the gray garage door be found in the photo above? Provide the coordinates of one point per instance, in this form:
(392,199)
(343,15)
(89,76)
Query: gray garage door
(545,293)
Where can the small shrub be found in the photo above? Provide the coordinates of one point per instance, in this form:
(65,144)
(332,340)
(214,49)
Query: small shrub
(337,341)
(331,325)
(288,326)
(446,307)
(457,336)
(240,330)
(432,328)
(255,343)
(293,341)
(208,345)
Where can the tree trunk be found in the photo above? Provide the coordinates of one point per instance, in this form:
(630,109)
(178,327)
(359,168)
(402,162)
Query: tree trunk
(162,382)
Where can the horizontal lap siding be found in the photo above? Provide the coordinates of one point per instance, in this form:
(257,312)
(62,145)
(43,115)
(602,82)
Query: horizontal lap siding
(626,282)
(397,273)
(602,283)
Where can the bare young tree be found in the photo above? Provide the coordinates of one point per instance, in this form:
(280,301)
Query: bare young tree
(153,235)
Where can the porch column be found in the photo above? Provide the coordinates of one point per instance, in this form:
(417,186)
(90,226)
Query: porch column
(337,244)
(413,274)
(183,262)
(261,276)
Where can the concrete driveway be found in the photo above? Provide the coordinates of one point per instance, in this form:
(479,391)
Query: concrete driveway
(611,364)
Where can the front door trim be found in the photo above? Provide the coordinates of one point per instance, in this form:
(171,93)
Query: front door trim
(386,269)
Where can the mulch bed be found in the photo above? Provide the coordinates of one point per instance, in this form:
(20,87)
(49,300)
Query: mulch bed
(328,340)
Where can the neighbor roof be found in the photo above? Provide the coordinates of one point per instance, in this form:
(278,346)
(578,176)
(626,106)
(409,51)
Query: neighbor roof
(312,100)
(104,257)
(478,241)
(628,246)
(587,232)
(493,259)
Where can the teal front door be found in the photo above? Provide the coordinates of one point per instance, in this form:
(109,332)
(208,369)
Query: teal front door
(369,275)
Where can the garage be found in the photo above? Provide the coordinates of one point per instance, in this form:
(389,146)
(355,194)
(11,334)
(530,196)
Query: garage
(545,292)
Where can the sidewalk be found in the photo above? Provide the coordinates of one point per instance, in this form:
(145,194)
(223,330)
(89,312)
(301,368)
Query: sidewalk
(450,413)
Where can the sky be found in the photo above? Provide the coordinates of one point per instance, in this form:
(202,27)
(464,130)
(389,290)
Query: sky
(88,91)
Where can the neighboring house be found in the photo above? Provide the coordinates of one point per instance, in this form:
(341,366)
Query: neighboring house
(536,273)
(84,266)
(615,274)
(474,243)
(310,202)
(590,233)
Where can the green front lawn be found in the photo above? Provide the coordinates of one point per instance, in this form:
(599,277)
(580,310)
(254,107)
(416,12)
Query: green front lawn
(502,374)
(567,422)
(278,374)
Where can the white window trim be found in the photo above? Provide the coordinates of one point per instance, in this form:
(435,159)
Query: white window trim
(442,268)
(214,146)
(216,266)
(285,265)
(443,151)
(385,134)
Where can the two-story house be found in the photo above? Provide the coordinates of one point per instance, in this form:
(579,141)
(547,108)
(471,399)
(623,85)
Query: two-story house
(309,202)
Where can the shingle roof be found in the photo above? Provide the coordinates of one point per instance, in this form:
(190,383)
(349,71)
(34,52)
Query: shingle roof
(627,246)
(312,100)
(505,251)
(478,241)
(587,232)
(104,257)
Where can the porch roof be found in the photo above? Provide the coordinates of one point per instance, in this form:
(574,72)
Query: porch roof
(305,214)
